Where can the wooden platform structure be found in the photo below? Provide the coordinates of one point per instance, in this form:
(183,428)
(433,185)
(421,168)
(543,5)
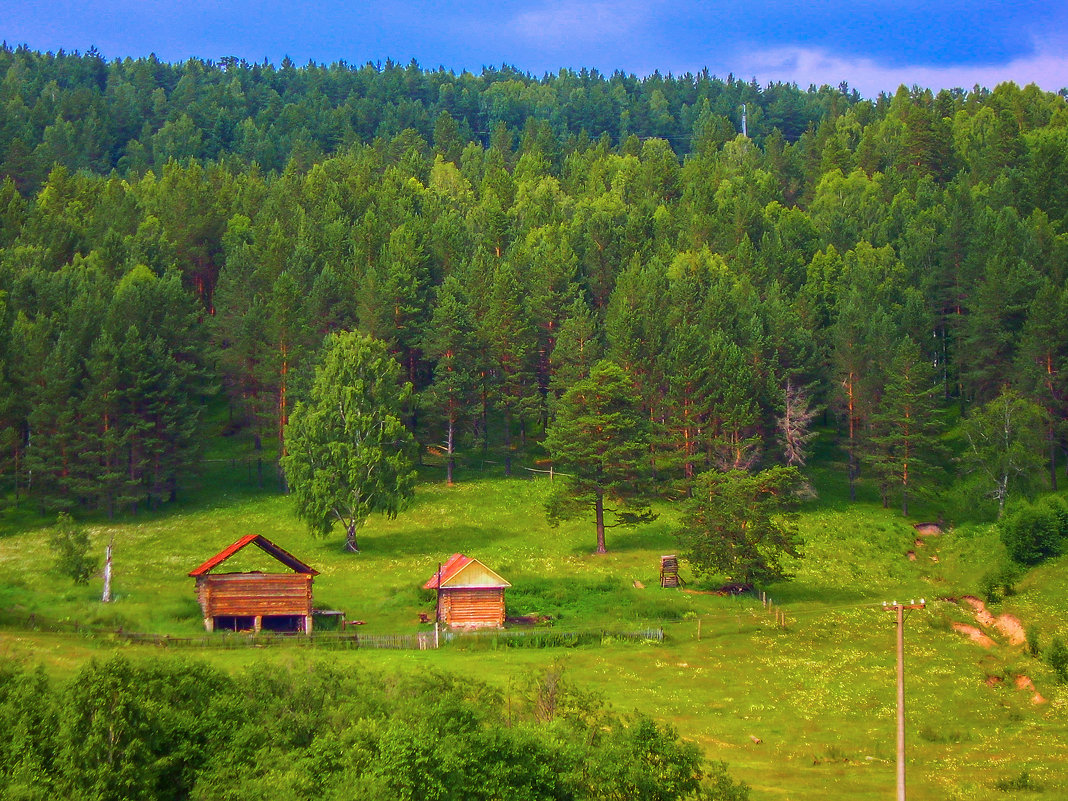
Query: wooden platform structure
(255,601)
(669,571)
(470,595)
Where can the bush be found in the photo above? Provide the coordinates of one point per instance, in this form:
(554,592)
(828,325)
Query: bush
(70,544)
(1034,646)
(1034,532)
(999,582)
(1021,781)
(1057,656)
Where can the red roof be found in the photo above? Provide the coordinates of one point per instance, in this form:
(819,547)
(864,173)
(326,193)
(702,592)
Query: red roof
(454,565)
(479,576)
(263,544)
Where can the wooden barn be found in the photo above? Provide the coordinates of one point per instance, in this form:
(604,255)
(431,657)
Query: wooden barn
(255,600)
(469,593)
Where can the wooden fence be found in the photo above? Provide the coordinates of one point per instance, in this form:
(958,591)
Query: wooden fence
(331,641)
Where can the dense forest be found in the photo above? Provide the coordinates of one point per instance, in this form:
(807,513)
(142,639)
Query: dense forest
(895,268)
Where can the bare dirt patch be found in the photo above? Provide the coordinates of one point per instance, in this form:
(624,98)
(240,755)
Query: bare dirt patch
(982,614)
(1012,628)
(911,555)
(927,529)
(1024,683)
(974,633)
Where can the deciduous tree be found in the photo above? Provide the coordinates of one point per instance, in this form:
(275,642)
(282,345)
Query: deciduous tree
(740,525)
(349,454)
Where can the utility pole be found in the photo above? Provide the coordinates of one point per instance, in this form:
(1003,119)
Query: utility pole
(899,609)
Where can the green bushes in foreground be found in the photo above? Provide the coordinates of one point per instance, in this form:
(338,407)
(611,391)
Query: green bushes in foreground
(159,729)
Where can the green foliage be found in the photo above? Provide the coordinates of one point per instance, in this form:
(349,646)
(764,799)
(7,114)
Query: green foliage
(1034,642)
(999,582)
(741,525)
(600,440)
(1002,445)
(1057,657)
(349,453)
(1021,781)
(1035,531)
(164,730)
(70,544)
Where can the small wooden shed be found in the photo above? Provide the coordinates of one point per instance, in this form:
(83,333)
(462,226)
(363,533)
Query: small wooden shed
(469,593)
(256,600)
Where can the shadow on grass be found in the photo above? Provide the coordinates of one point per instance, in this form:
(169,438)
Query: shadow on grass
(426,541)
(593,600)
(807,593)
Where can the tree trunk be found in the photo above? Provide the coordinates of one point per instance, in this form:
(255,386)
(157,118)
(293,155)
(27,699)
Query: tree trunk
(350,539)
(508,444)
(599,506)
(106,597)
(1052,456)
(450,462)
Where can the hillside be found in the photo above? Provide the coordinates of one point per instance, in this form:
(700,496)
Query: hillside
(818,695)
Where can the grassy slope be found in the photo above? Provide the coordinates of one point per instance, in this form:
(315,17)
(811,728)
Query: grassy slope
(820,695)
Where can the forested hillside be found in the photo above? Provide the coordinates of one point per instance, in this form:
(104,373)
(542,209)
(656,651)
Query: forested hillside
(171,234)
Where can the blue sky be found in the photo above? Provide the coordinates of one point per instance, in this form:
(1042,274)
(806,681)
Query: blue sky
(874,46)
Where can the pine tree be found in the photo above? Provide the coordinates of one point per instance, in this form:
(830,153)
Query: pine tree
(905,425)
(450,343)
(512,348)
(601,438)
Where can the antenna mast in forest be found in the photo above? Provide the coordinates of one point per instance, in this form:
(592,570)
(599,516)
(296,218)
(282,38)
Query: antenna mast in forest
(745,130)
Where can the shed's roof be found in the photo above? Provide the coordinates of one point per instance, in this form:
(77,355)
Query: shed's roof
(264,544)
(463,571)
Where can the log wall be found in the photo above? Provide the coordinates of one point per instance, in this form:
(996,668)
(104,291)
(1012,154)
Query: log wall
(473,606)
(255,594)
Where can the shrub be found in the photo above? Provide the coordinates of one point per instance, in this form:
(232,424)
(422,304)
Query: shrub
(1057,656)
(999,582)
(70,544)
(1034,646)
(1022,781)
(1034,532)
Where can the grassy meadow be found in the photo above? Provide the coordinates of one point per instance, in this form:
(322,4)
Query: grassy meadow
(805,712)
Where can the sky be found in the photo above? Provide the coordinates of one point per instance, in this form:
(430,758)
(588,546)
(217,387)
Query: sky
(873,46)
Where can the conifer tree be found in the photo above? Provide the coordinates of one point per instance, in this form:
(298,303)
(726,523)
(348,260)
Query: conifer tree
(905,425)
(600,438)
(450,344)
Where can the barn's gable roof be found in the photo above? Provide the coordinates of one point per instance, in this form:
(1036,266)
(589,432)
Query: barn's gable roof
(265,545)
(463,571)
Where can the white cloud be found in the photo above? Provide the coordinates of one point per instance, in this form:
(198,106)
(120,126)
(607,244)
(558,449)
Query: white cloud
(561,23)
(1047,67)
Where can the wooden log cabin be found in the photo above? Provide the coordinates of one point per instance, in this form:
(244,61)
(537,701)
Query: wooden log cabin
(470,595)
(255,600)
